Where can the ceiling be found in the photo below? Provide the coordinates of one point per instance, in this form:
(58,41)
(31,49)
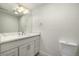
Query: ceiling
(9,7)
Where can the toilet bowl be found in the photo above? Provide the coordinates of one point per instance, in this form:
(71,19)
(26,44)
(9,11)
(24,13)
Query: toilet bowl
(68,48)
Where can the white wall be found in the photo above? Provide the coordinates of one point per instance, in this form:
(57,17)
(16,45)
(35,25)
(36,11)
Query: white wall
(35,20)
(8,23)
(56,21)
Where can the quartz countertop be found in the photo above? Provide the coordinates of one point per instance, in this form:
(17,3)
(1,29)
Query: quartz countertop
(9,38)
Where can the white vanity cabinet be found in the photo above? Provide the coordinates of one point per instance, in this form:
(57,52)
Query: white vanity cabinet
(31,48)
(28,46)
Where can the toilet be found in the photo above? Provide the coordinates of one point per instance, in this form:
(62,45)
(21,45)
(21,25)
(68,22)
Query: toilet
(68,48)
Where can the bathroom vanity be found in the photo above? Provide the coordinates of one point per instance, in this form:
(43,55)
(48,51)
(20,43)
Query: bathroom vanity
(22,45)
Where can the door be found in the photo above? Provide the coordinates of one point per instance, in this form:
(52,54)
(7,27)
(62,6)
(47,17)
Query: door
(27,49)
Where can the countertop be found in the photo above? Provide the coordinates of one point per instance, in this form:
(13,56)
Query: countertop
(10,38)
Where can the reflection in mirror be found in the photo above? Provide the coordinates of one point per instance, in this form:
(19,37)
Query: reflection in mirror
(25,23)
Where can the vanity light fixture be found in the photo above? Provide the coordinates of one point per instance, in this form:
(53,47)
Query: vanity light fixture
(20,9)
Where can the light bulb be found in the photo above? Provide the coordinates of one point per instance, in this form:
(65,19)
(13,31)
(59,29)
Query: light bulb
(26,11)
(20,9)
(16,12)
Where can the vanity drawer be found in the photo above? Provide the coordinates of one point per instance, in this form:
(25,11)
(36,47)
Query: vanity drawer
(26,40)
(9,45)
(12,52)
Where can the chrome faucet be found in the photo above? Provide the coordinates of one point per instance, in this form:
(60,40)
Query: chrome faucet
(21,33)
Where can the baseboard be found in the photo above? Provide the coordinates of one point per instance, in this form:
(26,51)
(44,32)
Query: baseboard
(42,53)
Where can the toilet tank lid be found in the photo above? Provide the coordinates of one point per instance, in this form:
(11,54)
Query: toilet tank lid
(68,43)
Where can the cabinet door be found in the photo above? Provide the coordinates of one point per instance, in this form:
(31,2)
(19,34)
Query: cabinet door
(27,49)
(13,52)
(37,45)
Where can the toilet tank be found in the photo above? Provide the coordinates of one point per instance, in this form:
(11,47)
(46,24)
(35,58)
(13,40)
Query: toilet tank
(68,48)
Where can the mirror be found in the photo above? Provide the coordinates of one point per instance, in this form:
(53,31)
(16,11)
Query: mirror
(9,22)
